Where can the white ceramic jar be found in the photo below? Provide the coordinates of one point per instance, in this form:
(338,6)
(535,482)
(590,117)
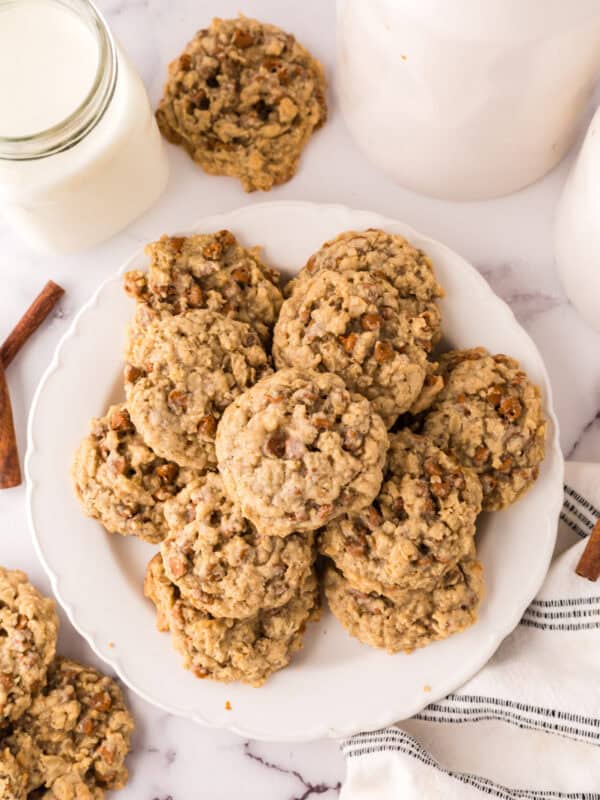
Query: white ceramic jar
(80,152)
(466,99)
(577,229)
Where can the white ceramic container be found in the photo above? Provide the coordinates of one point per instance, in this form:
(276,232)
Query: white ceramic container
(466,99)
(577,230)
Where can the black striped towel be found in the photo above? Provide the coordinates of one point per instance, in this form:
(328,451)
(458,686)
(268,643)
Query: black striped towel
(528,725)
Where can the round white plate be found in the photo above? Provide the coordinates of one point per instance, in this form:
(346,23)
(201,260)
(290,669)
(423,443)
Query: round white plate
(335,686)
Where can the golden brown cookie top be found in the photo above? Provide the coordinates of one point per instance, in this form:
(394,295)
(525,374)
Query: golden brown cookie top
(30,628)
(299,449)
(491,416)
(243,98)
(206,270)
(421,524)
(219,561)
(121,481)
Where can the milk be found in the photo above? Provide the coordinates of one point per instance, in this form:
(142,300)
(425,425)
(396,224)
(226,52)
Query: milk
(577,232)
(48,62)
(466,99)
(59,66)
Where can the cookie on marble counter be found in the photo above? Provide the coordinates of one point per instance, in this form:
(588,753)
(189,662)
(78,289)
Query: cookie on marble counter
(243,99)
(414,619)
(121,482)
(183,372)
(74,738)
(491,417)
(218,560)
(298,450)
(421,524)
(208,270)
(29,627)
(388,256)
(247,650)
(354,325)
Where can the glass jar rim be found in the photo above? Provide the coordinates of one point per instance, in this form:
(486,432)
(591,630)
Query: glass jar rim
(83,119)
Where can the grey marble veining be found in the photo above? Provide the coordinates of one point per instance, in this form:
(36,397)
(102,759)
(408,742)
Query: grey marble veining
(508,240)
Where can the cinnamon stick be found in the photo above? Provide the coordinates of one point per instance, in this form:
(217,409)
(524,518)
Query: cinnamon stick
(30,321)
(10,471)
(589,563)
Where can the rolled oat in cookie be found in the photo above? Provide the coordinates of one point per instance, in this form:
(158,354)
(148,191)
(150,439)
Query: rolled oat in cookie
(354,325)
(74,738)
(183,372)
(299,450)
(13,778)
(416,618)
(121,482)
(491,417)
(29,627)
(208,270)
(421,524)
(387,256)
(243,99)
(247,650)
(218,560)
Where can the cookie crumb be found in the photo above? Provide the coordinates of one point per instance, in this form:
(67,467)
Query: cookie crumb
(227,705)
(111,645)
(427,688)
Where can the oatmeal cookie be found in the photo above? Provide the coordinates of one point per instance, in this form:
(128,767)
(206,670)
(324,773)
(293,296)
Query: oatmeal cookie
(388,256)
(299,450)
(353,324)
(74,738)
(416,618)
(183,372)
(218,560)
(247,650)
(121,482)
(209,271)
(29,626)
(13,778)
(243,99)
(490,416)
(421,524)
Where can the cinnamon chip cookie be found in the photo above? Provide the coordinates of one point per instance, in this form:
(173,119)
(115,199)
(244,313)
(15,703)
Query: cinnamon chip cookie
(353,324)
(220,563)
(13,778)
(211,271)
(121,482)
(387,256)
(490,416)
(29,628)
(421,524)
(298,450)
(243,99)
(74,738)
(247,650)
(183,373)
(416,618)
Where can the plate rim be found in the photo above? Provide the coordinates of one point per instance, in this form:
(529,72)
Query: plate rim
(319,731)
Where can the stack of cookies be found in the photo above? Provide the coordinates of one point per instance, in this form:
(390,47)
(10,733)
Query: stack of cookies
(64,729)
(257,432)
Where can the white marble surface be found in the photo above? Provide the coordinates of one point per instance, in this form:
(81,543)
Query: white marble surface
(509,240)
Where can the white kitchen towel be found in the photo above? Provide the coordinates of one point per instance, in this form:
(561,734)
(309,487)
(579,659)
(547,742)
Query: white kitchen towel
(527,727)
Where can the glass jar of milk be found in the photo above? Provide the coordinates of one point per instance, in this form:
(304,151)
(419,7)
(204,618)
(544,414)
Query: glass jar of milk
(80,152)
(577,229)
